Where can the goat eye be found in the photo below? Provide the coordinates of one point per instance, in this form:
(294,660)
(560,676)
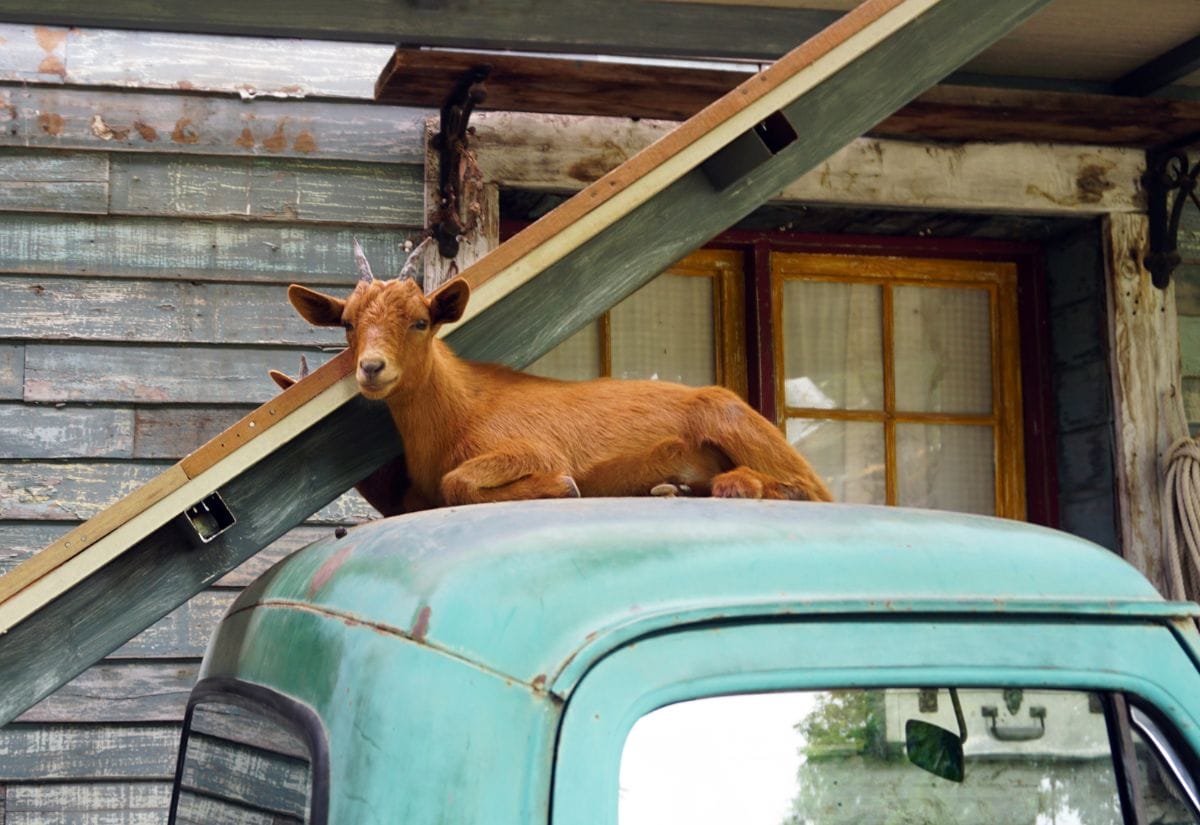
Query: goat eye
(420,324)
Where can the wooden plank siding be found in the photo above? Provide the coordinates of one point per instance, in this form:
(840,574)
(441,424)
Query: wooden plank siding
(148,241)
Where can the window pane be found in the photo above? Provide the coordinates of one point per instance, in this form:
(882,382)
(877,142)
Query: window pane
(943,349)
(832,345)
(665,331)
(575,359)
(847,756)
(946,467)
(849,455)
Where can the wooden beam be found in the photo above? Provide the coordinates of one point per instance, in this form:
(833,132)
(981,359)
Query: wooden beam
(563,153)
(580,26)
(1147,392)
(1155,75)
(647,213)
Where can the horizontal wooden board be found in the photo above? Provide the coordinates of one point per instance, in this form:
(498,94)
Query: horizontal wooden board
(52,308)
(56,118)
(34,54)
(267,189)
(133,691)
(1189,344)
(80,752)
(157,375)
(28,431)
(12,371)
(173,432)
(248,66)
(88,803)
(198,250)
(183,633)
(74,491)
(53,182)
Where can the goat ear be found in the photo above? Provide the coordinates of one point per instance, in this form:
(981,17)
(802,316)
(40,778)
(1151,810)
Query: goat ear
(283,381)
(315,307)
(449,301)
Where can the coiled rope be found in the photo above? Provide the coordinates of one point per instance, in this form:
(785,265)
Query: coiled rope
(1181,514)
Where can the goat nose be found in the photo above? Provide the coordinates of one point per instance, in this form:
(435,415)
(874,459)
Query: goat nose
(371,366)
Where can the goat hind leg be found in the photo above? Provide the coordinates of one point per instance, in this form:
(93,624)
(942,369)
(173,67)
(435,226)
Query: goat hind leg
(671,461)
(506,476)
(765,464)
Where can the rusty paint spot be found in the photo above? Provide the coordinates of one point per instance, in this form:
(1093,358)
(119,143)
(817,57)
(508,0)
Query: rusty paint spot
(51,123)
(184,132)
(37,289)
(246,141)
(1092,183)
(148,132)
(590,169)
(51,64)
(304,142)
(49,39)
(421,627)
(276,142)
(186,85)
(325,571)
(539,682)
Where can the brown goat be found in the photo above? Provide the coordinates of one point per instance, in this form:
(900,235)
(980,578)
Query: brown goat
(478,432)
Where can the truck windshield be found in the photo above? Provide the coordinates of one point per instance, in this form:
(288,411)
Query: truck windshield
(1006,756)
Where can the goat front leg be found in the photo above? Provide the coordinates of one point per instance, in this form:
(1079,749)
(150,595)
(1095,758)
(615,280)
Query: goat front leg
(506,475)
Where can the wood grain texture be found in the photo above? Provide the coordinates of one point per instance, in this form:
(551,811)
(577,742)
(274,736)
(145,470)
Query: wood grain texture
(119,692)
(71,432)
(141,585)
(33,54)
(620,26)
(578,86)
(1145,382)
(68,752)
(156,375)
(266,189)
(67,182)
(12,372)
(181,634)
(235,251)
(88,803)
(157,311)
(521,150)
(54,118)
(79,491)
(173,432)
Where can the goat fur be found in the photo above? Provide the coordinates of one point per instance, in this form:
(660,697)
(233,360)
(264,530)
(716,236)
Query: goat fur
(476,432)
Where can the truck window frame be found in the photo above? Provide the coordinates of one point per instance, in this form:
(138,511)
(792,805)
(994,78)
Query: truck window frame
(722,658)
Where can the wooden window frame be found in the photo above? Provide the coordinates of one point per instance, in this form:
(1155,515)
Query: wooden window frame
(997,278)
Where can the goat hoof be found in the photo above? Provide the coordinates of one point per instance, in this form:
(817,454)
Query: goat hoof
(572,490)
(664,490)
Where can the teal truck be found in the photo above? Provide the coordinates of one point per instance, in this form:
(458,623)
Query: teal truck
(696,661)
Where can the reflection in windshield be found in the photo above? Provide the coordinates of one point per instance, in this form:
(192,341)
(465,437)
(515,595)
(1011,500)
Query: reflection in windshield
(820,757)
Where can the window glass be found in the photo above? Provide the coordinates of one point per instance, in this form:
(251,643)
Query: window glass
(848,455)
(665,331)
(943,347)
(1030,757)
(833,346)
(946,467)
(575,359)
(242,766)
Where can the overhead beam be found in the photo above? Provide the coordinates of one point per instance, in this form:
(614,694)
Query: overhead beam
(577,26)
(1155,75)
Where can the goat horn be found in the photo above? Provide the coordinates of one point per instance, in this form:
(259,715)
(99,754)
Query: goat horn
(360,261)
(303,367)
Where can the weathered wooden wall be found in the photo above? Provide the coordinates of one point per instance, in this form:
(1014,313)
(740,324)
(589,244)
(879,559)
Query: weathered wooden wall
(146,241)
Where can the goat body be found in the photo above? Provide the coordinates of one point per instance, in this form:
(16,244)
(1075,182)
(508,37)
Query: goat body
(477,432)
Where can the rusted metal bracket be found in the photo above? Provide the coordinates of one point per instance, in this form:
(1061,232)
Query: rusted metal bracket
(1167,172)
(448,223)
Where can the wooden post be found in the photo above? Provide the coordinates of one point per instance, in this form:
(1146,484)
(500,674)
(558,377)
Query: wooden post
(1147,397)
(485,235)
